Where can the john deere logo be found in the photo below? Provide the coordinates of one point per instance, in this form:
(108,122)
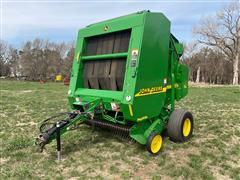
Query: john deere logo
(149,91)
(105,28)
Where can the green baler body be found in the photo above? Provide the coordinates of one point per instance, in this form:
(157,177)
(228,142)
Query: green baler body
(152,76)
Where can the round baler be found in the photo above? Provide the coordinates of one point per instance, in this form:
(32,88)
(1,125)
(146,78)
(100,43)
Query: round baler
(126,77)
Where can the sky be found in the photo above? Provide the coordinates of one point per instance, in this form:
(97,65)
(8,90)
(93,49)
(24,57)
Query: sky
(59,21)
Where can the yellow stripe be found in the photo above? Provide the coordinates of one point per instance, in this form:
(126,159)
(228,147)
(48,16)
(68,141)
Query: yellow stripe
(78,57)
(130,109)
(142,118)
(138,95)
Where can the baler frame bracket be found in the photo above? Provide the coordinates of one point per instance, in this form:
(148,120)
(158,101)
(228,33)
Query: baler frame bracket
(141,131)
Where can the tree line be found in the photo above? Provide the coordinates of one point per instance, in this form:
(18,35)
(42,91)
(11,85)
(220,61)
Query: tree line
(209,65)
(212,58)
(36,60)
(218,58)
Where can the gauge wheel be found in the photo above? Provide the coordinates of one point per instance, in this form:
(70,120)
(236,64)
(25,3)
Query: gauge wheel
(154,143)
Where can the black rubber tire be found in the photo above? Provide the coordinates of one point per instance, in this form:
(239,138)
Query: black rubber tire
(175,125)
(149,141)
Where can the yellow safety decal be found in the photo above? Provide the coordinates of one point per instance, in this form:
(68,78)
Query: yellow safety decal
(78,57)
(142,118)
(150,91)
(169,87)
(130,109)
(105,28)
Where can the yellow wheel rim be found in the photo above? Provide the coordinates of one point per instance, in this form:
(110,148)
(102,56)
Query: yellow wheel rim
(186,127)
(156,143)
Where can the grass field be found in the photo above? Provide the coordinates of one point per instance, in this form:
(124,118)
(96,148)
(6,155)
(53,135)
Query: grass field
(212,153)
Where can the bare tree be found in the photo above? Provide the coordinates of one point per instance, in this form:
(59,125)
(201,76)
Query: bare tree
(4,49)
(28,63)
(67,64)
(223,32)
(14,61)
(4,59)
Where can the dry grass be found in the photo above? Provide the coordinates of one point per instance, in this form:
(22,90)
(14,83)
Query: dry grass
(213,152)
